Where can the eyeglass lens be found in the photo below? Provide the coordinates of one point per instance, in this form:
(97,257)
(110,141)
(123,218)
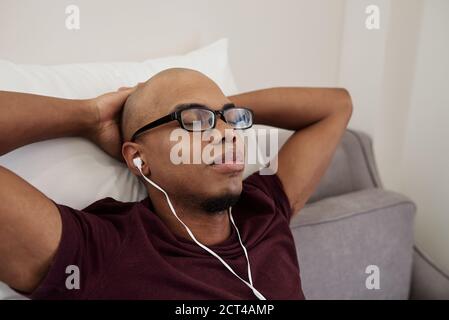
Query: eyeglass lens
(203,119)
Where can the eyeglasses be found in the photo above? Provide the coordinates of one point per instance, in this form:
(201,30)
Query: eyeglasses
(197,117)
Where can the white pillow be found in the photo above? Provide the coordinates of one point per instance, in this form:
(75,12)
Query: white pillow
(73,171)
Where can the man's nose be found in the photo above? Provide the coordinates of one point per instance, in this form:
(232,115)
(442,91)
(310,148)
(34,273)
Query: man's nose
(227,133)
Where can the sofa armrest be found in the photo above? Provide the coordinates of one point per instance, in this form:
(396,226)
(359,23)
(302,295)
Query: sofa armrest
(337,238)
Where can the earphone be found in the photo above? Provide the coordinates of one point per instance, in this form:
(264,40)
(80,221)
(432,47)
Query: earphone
(138,163)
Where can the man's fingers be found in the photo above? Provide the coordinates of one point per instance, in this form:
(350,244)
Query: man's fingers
(130,88)
(124,92)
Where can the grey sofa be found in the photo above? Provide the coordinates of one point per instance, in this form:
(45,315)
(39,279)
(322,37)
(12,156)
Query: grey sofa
(350,223)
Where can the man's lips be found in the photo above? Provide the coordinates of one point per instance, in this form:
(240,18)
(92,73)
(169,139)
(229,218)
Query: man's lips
(228,167)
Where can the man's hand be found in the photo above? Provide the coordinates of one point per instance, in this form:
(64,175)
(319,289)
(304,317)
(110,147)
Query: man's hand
(106,130)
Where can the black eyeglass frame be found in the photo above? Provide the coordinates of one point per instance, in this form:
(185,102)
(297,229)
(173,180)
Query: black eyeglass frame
(176,115)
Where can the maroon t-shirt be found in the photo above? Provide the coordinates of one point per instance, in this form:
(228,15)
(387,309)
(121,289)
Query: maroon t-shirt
(124,251)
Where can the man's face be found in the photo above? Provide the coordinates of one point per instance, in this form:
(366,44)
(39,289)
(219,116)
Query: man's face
(211,186)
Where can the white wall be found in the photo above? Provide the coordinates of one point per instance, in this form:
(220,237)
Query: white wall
(271,42)
(398,75)
(423,170)
(377,66)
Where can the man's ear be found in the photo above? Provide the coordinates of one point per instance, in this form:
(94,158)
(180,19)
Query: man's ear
(131,150)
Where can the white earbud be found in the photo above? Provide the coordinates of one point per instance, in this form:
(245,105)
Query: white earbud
(138,163)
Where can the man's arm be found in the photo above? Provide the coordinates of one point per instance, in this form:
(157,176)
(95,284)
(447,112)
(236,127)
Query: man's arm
(27,118)
(30,224)
(318,115)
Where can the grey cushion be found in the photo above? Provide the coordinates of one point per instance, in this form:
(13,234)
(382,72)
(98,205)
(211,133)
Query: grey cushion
(352,168)
(338,237)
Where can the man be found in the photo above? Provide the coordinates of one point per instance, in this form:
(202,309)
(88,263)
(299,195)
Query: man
(187,243)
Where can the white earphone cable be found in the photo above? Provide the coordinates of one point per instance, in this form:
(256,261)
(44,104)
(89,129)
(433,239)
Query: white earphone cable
(250,284)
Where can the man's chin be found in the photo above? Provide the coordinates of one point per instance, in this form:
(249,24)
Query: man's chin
(221,203)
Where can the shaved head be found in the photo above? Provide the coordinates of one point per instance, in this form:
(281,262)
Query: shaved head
(157,96)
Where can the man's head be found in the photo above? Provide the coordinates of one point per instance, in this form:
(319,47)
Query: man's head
(209,187)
